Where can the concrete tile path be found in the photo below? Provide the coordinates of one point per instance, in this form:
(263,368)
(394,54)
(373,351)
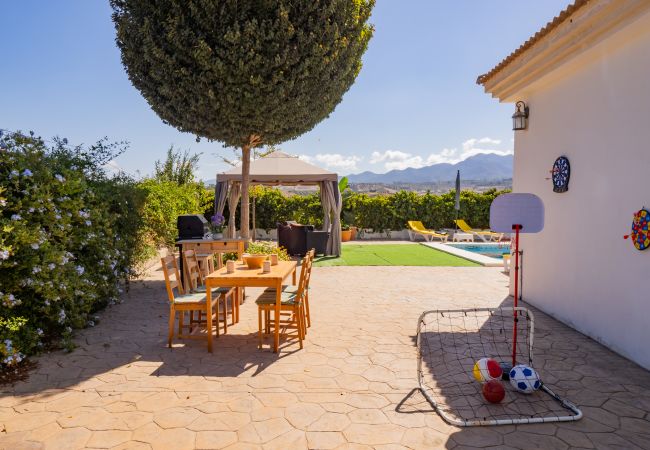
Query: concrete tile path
(351,386)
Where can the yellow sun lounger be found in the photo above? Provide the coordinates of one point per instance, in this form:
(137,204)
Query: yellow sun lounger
(417,228)
(484,235)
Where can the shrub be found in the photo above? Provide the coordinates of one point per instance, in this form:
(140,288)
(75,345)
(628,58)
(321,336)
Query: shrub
(68,240)
(164,202)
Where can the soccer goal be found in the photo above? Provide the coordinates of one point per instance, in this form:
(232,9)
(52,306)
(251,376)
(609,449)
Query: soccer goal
(450,342)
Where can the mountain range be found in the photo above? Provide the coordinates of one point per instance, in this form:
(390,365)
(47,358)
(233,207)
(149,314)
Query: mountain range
(483,167)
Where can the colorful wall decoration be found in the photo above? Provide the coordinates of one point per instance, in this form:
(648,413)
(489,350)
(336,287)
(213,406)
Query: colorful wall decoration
(640,234)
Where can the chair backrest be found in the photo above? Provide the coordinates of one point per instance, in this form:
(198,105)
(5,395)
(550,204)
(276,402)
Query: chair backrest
(416,225)
(170,268)
(191,264)
(463,225)
(304,279)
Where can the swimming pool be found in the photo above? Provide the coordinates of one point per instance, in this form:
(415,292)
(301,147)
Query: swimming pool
(493,250)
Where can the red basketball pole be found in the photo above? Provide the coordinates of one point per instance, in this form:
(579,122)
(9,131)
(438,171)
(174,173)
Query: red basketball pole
(514,331)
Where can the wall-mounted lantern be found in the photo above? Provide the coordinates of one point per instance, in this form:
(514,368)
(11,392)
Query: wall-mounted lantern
(520,117)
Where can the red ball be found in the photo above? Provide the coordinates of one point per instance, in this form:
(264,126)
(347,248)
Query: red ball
(493,391)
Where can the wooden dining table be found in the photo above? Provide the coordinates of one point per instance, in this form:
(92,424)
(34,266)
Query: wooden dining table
(244,277)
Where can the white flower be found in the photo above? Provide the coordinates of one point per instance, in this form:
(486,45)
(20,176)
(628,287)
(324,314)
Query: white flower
(36,269)
(88,223)
(51,266)
(84,214)
(80,270)
(9,345)
(59,178)
(27,173)
(57,217)
(15,217)
(35,246)
(47,302)
(14,173)
(30,210)
(3,202)
(61,316)
(4,254)
(39,332)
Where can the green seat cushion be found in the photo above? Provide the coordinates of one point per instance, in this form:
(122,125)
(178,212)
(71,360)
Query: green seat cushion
(190,298)
(219,290)
(268,298)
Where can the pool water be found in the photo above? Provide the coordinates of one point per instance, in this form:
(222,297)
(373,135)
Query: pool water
(491,250)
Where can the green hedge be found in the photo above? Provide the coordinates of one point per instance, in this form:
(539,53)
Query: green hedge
(68,240)
(377,213)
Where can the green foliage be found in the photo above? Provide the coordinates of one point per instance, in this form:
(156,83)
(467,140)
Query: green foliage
(178,167)
(164,202)
(267,248)
(226,70)
(377,213)
(68,239)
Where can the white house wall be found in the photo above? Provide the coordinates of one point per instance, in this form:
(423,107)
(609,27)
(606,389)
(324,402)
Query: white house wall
(579,269)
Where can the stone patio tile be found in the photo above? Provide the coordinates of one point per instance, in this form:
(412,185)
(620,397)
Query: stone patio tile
(301,415)
(520,439)
(72,400)
(278,399)
(325,439)
(423,438)
(374,434)
(635,425)
(68,439)
(336,407)
(27,422)
(212,407)
(574,438)
(369,416)
(215,439)
(108,439)
(221,421)
(293,439)
(158,438)
(347,381)
(330,422)
(175,417)
(477,437)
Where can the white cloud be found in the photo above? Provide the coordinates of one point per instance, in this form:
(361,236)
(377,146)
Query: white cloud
(396,159)
(334,161)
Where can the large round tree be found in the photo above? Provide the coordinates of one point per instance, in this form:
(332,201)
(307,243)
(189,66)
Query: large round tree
(245,73)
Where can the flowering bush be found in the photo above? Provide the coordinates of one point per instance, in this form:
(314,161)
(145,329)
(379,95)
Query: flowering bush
(68,238)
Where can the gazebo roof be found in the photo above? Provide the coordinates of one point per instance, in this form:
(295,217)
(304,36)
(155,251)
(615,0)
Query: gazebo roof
(280,168)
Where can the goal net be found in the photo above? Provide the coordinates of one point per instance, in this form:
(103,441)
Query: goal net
(450,342)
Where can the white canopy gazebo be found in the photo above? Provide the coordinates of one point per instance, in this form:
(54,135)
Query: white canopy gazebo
(278,168)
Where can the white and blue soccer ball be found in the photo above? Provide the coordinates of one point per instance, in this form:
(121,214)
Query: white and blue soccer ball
(524,378)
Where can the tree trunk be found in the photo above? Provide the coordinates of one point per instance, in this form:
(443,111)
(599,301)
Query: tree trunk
(244,229)
(253,220)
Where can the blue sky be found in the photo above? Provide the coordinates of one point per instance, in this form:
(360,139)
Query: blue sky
(415,102)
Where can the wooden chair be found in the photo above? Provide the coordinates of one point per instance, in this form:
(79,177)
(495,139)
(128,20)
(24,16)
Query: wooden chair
(185,302)
(204,257)
(311,254)
(291,302)
(196,283)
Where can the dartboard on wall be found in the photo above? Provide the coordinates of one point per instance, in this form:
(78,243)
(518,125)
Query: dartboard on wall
(640,229)
(561,174)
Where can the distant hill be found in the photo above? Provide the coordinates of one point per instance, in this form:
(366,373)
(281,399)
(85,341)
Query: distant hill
(478,167)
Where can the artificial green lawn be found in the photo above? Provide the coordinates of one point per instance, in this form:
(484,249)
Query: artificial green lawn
(392,255)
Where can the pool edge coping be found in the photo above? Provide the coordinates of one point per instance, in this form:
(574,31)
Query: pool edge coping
(470,256)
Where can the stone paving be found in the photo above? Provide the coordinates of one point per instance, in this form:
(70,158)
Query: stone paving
(350,387)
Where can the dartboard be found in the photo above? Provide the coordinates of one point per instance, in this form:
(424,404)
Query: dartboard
(640,234)
(561,173)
